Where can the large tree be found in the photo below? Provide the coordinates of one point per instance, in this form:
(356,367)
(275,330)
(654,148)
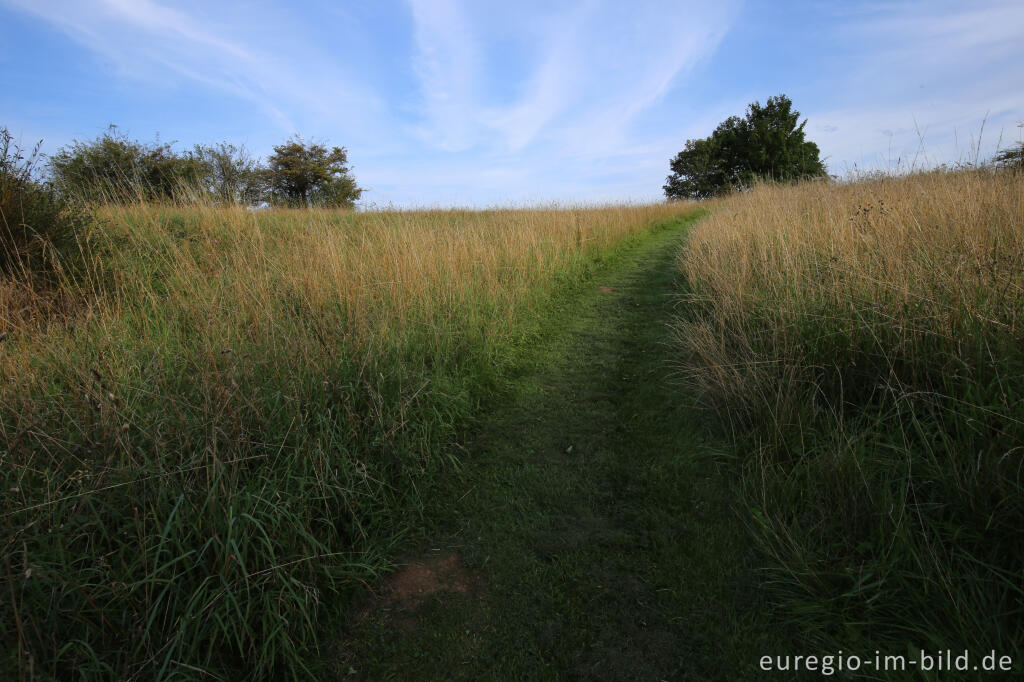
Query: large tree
(304,174)
(767,144)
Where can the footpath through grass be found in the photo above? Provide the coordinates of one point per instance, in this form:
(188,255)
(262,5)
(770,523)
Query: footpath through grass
(589,533)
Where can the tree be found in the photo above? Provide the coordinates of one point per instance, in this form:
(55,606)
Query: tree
(1013,157)
(696,171)
(767,144)
(308,174)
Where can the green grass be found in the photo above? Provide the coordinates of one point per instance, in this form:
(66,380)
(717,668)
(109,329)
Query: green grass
(593,524)
(233,418)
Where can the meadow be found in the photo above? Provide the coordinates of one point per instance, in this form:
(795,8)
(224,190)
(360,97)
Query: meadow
(219,424)
(862,345)
(217,421)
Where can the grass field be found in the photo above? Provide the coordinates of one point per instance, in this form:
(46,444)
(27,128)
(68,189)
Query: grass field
(224,418)
(631,442)
(591,532)
(863,345)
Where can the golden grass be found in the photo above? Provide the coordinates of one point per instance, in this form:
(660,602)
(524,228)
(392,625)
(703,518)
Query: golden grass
(864,344)
(415,261)
(196,317)
(917,261)
(220,278)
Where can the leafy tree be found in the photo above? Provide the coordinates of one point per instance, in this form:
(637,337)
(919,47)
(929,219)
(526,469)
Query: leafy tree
(115,168)
(697,171)
(767,144)
(776,146)
(305,174)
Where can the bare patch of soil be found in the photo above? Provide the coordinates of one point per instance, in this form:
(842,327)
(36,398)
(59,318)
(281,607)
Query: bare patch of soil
(605,289)
(397,613)
(418,580)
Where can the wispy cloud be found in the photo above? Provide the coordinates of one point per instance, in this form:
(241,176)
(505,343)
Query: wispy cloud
(157,44)
(596,66)
(980,30)
(460,101)
(447,60)
(940,85)
(551,87)
(636,54)
(147,41)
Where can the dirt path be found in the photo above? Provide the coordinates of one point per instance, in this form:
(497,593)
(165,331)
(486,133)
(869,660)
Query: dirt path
(590,535)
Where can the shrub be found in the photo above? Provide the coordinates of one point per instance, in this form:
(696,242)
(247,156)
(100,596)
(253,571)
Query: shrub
(1011,158)
(37,225)
(115,168)
(229,174)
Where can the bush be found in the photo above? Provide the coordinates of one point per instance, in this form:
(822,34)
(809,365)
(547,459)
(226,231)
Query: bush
(115,168)
(229,174)
(1011,158)
(37,225)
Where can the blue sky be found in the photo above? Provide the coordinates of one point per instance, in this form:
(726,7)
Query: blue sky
(462,102)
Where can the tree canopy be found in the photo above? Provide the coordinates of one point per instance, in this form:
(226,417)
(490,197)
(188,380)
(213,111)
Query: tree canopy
(230,175)
(300,173)
(767,144)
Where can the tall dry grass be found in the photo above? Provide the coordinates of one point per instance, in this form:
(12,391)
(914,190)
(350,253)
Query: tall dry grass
(864,343)
(223,418)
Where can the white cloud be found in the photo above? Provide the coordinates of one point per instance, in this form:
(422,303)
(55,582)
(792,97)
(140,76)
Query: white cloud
(599,65)
(981,30)
(536,100)
(446,63)
(934,82)
(168,47)
(551,87)
(637,55)
(906,137)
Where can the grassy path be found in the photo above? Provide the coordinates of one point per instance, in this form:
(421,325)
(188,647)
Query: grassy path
(590,534)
